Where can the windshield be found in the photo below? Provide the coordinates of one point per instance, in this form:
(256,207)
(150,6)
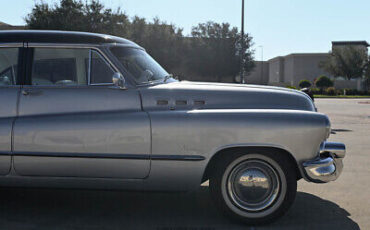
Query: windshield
(139,64)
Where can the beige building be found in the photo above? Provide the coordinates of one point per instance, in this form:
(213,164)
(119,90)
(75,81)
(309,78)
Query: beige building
(292,68)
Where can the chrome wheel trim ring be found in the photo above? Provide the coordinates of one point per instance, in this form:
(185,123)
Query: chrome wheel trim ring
(254,214)
(253,185)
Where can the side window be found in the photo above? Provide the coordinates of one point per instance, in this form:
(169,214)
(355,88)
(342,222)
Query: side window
(8,66)
(59,66)
(101,71)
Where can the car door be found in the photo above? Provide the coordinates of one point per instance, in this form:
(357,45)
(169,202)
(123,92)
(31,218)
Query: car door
(74,123)
(9,90)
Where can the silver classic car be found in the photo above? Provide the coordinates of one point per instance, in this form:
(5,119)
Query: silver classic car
(82,110)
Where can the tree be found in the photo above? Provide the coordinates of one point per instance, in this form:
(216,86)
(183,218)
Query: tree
(304,83)
(367,71)
(349,62)
(214,50)
(73,15)
(161,40)
(323,82)
(367,75)
(67,15)
(211,51)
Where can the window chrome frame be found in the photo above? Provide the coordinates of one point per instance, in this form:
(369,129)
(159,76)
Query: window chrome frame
(90,65)
(77,46)
(140,84)
(12,45)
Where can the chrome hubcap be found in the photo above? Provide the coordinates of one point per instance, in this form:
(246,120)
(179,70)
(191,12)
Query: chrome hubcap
(253,185)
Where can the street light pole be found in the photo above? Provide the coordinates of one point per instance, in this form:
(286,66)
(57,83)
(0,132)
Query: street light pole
(261,62)
(242,80)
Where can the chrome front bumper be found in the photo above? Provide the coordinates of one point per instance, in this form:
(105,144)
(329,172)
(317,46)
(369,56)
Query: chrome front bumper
(328,166)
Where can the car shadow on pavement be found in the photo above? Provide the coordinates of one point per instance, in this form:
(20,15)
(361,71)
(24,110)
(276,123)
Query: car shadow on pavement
(83,209)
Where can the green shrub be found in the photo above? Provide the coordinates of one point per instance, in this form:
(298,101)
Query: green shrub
(315,91)
(323,82)
(304,83)
(340,91)
(290,87)
(352,92)
(364,93)
(331,91)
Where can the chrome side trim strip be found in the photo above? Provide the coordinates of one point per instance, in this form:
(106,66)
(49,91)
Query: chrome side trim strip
(113,156)
(5,153)
(178,157)
(12,45)
(84,155)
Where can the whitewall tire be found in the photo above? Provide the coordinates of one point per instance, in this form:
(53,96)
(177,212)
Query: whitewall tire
(256,187)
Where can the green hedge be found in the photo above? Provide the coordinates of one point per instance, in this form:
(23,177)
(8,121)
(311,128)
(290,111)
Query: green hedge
(331,91)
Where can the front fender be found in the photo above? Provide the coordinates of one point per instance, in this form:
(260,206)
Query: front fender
(206,132)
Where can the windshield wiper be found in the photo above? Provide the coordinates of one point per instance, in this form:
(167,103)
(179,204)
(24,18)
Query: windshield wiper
(167,77)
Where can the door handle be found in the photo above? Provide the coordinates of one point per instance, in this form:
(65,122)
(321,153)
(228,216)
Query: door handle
(29,92)
(25,92)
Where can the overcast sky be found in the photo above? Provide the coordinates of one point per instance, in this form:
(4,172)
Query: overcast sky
(281,27)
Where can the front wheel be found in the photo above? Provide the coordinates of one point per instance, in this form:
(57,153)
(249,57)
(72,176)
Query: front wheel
(255,188)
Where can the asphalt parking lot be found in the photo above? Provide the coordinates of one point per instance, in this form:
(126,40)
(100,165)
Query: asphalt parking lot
(343,204)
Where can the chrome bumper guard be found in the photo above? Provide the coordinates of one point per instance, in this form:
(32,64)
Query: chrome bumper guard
(328,166)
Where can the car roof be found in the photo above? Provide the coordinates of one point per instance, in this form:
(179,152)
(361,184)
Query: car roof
(53,36)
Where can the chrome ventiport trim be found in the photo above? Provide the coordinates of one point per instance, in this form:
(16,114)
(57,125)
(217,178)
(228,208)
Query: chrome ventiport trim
(328,166)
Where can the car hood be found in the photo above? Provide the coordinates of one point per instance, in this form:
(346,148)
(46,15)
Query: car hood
(203,95)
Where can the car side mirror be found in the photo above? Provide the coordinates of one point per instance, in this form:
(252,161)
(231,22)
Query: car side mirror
(118,80)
